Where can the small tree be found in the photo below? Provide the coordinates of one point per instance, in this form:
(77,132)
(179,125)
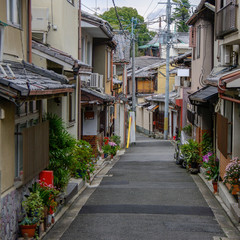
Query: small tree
(181,15)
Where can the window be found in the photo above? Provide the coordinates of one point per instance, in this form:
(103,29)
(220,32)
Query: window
(1,42)
(108,65)
(14,15)
(198,41)
(71,107)
(89,53)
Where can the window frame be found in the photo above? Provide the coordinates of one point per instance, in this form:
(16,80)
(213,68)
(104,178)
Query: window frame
(71,108)
(12,19)
(89,53)
(108,65)
(1,42)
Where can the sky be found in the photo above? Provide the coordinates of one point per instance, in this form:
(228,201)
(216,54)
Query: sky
(149,9)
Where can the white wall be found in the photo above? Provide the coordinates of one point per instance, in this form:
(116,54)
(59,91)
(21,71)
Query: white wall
(90,127)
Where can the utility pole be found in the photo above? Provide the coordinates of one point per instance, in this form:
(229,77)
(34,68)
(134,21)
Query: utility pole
(133,113)
(79,107)
(160,46)
(168,13)
(167,71)
(133,71)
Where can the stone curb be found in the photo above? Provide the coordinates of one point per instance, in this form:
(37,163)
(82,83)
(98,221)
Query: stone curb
(232,213)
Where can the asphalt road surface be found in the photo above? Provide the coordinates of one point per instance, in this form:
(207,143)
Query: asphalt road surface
(143,196)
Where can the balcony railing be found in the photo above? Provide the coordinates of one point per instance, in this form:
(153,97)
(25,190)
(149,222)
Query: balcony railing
(226,20)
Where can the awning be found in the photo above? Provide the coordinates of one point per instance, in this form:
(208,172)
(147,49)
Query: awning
(203,95)
(153,107)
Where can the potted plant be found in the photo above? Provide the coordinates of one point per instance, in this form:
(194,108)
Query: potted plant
(232,175)
(211,164)
(48,194)
(190,151)
(28,226)
(33,213)
(84,160)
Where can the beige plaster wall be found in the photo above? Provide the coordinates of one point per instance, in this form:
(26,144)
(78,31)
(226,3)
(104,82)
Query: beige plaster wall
(39,61)
(205,60)
(162,80)
(15,38)
(139,116)
(146,119)
(65,18)
(7,145)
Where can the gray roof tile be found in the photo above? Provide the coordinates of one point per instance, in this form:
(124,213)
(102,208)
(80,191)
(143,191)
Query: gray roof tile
(30,77)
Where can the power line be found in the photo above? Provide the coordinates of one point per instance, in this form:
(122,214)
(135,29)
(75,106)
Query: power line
(120,24)
(88,8)
(148,7)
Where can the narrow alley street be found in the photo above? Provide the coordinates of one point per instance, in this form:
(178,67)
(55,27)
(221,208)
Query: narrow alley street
(144,195)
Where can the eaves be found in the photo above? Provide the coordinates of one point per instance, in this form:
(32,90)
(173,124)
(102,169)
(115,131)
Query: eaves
(53,59)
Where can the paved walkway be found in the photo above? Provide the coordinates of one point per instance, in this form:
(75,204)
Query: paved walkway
(144,195)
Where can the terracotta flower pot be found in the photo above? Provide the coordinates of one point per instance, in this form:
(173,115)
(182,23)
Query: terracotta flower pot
(235,189)
(28,230)
(215,186)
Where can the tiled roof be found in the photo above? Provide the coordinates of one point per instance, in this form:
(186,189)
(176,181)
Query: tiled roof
(103,24)
(105,97)
(204,94)
(53,52)
(161,97)
(29,79)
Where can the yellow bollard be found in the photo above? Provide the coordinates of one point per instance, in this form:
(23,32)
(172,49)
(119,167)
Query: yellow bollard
(129,128)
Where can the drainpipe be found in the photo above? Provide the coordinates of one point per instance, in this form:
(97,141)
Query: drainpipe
(79,126)
(229,99)
(112,72)
(29,32)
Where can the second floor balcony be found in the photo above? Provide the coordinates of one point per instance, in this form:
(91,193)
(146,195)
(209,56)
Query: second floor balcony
(226,20)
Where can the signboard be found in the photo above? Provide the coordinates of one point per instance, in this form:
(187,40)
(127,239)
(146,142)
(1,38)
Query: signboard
(183,72)
(89,115)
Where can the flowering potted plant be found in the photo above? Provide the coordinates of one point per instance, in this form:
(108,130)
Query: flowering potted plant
(211,164)
(232,175)
(110,148)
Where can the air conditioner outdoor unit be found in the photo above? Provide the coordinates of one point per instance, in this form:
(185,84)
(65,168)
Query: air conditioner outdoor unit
(94,80)
(226,54)
(40,19)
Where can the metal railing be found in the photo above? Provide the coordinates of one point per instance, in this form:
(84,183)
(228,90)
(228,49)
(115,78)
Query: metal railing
(226,20)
